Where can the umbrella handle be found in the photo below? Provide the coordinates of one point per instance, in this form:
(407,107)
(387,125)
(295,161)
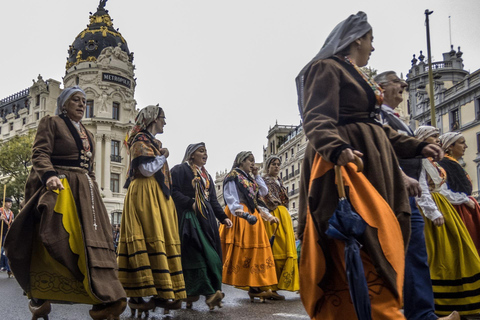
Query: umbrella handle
(339,177)
(276,228)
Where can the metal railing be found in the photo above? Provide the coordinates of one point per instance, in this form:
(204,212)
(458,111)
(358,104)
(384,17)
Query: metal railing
(115,158)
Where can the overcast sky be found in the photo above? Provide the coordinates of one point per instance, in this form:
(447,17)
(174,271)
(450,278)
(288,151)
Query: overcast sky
(224,70)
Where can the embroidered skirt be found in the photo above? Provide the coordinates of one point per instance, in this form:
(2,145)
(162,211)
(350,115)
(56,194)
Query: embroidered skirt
(284,250)
(149,247)
(247,255)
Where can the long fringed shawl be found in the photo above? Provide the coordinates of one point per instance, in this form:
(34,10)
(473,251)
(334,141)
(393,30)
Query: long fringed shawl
(143,148)
(277,193)
(201,185)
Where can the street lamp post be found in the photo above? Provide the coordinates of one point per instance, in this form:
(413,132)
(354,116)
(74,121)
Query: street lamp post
(430,72)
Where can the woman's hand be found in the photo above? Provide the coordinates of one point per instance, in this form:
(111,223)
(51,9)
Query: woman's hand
(239,212)
(347,156)
(434,151)
(228,223)
(412,185)
(164,152)
(255,170)
(439,221)
(272,219)
(470,204)
(53,183)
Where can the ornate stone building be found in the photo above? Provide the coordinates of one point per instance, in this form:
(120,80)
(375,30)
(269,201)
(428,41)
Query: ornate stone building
(457,103)
(288,142)
(100,62)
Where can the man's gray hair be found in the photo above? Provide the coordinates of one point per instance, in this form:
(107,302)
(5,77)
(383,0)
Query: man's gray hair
(382,78)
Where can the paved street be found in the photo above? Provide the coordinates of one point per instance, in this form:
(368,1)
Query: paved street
(236,305)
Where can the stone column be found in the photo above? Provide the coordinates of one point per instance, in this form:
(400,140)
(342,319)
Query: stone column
(106,164)
(98,159)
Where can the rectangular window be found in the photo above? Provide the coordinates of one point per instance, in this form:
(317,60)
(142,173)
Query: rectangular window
(454,120)
(89,110)
(24,120)
(292,152)
(115,155)
(281,175)
(286,156)
(37,115)
(114,182)
(286,173)
(477,109)
(116,111)
(37,100)
(293,205)
(478,142)
(11,126)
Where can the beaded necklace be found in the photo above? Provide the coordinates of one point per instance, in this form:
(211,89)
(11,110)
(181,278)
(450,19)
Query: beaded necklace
(375,87)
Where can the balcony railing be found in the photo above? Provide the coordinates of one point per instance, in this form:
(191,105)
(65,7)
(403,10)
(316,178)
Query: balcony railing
(297,172)
(115,158)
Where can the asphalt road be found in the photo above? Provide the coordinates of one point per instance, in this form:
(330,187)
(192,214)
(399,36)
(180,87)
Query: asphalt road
(237,305)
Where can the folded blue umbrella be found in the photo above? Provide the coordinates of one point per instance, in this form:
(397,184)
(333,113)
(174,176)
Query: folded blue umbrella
(347,225)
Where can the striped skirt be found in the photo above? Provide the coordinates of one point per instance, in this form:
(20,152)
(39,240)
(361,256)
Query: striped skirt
(454,263)
(149,248)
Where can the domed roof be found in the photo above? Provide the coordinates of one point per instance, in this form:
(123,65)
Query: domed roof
(98,35)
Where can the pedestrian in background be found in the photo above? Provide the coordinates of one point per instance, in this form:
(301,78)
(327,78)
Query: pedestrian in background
(6,219)
(247,256)
(149,248)
(193,192)
(284,249)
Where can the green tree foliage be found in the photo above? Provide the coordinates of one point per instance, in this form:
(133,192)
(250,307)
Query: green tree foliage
(369,71)
(15,163)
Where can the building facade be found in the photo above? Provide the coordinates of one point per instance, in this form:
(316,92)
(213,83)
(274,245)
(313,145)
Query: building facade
(100,62)
(457,103)
(288,142)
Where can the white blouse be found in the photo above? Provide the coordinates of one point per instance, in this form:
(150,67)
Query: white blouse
(425,201)
(231,195)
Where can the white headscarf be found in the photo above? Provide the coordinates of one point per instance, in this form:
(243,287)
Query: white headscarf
(191,150)
(241,156)
(449,138)
(347,31)
(63,97)
(423,132)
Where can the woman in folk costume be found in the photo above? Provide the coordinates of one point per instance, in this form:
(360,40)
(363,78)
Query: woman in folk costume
(60,246)
(284,249)
(339,105)
(452,255)
(247,256)
(149,247)
(458,180)
(193,192)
